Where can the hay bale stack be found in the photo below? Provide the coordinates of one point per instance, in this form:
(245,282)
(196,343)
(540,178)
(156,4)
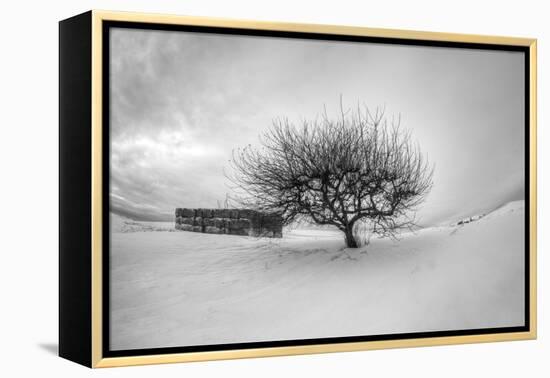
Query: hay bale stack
(244,222)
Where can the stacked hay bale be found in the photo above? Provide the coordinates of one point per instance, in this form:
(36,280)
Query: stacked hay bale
(229,221)
(185,219)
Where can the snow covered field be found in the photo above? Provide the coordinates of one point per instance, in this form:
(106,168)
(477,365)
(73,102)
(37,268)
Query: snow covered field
(184,288)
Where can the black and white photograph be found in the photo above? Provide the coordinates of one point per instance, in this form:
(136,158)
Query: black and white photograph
(279,188)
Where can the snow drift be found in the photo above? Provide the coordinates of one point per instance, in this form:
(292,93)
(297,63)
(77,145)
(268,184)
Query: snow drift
(184,288)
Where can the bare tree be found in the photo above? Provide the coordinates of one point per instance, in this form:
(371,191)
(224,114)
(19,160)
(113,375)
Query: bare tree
(356,169)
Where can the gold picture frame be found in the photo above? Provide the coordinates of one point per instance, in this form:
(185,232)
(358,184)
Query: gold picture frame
(90,329)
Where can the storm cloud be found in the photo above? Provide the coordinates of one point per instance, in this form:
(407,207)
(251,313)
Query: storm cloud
(182,101)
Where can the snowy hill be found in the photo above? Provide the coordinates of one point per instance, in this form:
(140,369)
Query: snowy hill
(184,288)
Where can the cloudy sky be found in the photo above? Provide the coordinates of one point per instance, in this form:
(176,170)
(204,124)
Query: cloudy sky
(180,102)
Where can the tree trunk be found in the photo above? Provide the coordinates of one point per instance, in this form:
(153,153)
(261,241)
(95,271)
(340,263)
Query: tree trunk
(350,240)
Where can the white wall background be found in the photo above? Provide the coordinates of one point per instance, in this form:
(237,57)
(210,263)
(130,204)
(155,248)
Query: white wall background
(28,158)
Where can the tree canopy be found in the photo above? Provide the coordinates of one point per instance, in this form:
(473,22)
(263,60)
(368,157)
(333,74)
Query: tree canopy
(355,169)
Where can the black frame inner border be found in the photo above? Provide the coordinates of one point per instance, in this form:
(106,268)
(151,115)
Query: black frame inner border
(107,25)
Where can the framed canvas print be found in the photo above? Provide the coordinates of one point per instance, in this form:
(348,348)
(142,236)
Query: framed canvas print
(236,189)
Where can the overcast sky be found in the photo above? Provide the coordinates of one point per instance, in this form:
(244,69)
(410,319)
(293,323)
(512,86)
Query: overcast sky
(180,102)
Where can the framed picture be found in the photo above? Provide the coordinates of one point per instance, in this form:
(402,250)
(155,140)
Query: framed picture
(235,189)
